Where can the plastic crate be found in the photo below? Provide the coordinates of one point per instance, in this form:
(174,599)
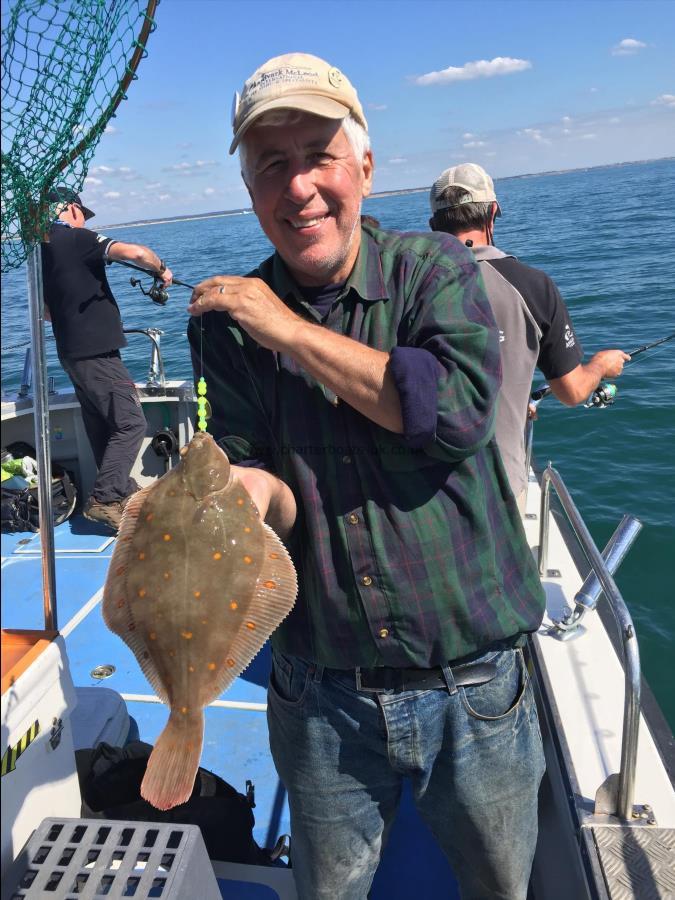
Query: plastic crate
(88,859)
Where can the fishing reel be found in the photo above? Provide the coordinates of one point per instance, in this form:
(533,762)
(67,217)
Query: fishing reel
(157,293)
(602,396)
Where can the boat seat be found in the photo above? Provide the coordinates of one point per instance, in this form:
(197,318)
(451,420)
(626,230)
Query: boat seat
(100,715)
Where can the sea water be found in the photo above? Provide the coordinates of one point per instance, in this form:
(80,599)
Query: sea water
(607,238)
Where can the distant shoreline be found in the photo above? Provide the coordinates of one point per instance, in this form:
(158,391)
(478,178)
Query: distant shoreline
(244,211)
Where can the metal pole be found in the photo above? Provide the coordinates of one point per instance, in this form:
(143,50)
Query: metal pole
(42,448)
(631,653)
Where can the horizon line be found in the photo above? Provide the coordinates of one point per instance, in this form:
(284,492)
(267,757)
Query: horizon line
(247,210)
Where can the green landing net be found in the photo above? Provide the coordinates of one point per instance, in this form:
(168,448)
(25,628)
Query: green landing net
(66,65)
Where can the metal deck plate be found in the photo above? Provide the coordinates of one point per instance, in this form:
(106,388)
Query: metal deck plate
(636,862)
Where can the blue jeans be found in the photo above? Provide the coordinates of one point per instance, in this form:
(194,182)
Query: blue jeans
(473,755)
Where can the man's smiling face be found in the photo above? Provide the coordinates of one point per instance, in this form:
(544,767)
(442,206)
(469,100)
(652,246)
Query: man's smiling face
(306,187)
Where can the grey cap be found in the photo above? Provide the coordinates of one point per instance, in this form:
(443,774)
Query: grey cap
(469,176)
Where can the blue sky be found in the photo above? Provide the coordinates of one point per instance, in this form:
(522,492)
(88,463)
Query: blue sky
(516,86)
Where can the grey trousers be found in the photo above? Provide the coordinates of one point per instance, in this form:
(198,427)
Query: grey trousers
(113,420)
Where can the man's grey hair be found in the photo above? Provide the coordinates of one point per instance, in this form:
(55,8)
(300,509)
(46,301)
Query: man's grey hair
(355,133)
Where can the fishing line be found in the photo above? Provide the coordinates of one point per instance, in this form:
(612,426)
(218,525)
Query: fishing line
(203,406)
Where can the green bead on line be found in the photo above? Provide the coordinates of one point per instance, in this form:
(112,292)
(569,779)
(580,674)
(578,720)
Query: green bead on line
(201,404)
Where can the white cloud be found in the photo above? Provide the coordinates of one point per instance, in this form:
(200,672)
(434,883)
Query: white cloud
(627,47)
(482,68)
(164,197)
(101,170)
(472,144)
(588,137)
(94,182)
(110,129)
(187,168)
(208,191)
(664,100)
(397,160)
(566,119)
(467,136)
(112,195)
(378,107)
(535,134)
(153,186)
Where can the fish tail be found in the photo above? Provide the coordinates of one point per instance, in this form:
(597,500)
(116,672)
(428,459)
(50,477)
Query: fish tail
(172,766)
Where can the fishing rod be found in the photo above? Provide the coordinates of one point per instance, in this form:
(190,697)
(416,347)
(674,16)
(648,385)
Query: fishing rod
(605,394)
(157,293)
(644,347)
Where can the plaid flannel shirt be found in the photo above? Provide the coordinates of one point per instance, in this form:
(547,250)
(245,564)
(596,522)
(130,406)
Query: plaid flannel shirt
(409,548)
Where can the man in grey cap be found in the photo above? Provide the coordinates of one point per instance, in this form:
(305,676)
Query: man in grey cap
(535,329)
(352,378)
(88,331)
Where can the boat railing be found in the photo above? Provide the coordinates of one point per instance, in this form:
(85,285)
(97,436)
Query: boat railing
(601,581)
(156,375)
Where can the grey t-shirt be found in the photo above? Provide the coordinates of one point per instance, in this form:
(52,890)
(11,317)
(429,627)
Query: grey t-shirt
(535,331)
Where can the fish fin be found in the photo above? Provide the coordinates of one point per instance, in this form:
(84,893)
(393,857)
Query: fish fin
(273,599)
(172,767)
(117,615)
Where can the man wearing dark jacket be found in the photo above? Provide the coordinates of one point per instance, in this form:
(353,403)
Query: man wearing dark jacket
(535,328)
(88,331)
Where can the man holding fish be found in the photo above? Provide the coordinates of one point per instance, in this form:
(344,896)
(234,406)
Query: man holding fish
(353,378)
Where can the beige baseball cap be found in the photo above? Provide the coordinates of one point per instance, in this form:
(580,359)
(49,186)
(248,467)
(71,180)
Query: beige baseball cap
(294,81)
(470,176)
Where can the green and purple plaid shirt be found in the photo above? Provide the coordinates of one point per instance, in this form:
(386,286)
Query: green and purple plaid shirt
(407,555)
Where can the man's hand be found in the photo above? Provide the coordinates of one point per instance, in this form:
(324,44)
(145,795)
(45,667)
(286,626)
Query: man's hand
(253,305)
(579,384)
(611,362)
(273,498)
(166,276)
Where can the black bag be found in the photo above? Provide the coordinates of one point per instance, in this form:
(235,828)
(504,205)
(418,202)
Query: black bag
(20,510)
(110,783)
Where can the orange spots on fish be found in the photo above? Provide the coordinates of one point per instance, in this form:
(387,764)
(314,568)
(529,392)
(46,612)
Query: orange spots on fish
(141,555)
(211,667)
(229,662)
(191,668)
(270,584)
(240,502)
(172,493)
(247,530)
(205,621)
(167,576)
(196,594)
(187,635)
(167,537)
(142,592)
(234,605)
(250,626)
(149,517)
(274,556)
(152,636)
(184,709)
(217,555)
(248,560)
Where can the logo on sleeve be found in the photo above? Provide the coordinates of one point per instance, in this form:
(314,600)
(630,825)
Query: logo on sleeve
(569,338)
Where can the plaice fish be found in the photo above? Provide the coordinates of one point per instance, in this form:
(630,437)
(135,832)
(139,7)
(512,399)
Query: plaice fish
(196,585)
